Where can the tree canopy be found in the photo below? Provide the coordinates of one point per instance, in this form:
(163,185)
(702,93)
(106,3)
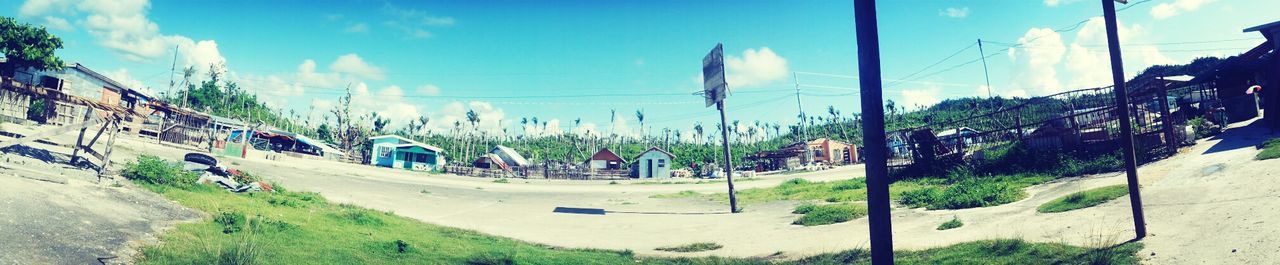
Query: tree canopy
(24,45)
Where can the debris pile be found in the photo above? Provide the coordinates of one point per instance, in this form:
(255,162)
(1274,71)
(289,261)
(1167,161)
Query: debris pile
(211,172)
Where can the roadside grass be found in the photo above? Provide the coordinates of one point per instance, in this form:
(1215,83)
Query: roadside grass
(668,182)
(501,180)
(959,190)
(825,214)
(695,247)
(952,224)
(963,191)
(1084,199)
(1270,150)
(304,228)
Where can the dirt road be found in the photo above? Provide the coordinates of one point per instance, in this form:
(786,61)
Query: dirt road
(1211,203)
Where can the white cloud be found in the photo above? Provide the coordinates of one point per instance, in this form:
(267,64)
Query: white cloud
(954,12)
(58,23)
(491,118)
(414,23)
(359,27)
(1034,66)
(429,90)
(1088,60)
(1167,10)
(914,98)
(587,129)
(123,27)
(123,77)
(352,64)
(1052,2)
(754,68)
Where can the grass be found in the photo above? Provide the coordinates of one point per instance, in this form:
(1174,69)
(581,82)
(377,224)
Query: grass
(501,180)
(958,190)
(825,214)
(1084,199)
(1270,150)
(304,228)
(962,191)
(695,247)
(953,224)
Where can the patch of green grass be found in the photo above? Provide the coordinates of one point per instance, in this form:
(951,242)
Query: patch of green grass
(1270,150)
(791,190)
(1084,199)
(681,194)
(953,224)
(501,180)
(320,231)
(962,192)
(826,214)
(695,247)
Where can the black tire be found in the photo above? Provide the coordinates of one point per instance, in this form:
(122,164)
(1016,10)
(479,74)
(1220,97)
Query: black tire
(199,158)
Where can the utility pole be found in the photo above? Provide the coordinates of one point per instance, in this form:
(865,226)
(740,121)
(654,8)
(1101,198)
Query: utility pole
(1122,107)
(172,71)
(728,163)
(864,13)
(804,131)
(983,55)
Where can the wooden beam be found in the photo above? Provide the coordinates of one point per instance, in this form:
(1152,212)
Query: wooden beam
(51,133)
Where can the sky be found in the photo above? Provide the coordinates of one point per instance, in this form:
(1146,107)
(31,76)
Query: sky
(561,61)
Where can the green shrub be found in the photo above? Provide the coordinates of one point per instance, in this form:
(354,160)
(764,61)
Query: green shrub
(231,221)
(493,258)
(830,214)
(155,171)
(1084,199)
(954,223)
(804,208)
(501,180)
(695,247)
(243,251)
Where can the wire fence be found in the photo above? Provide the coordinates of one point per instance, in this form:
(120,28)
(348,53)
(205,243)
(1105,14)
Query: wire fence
(1084,121)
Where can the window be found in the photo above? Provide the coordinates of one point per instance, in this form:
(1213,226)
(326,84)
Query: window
(817,153)
(662,162)
(384,151)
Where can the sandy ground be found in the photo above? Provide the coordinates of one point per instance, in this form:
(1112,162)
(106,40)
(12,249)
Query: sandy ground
(54,213)
(1209,204)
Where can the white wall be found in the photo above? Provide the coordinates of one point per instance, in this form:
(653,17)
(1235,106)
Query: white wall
(661,165)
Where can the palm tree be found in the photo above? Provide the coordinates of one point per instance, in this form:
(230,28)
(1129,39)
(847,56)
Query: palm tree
(697,129)
(474,119)
(640,116)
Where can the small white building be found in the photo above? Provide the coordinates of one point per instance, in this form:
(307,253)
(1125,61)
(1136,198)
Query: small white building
(653,163)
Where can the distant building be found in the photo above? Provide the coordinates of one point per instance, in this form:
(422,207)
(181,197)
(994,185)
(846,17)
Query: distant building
(823,150)
(606,159)
(509,156)
(653,163)
(954,136)
(398,152)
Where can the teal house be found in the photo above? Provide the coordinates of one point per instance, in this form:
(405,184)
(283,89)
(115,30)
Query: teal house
(398,152)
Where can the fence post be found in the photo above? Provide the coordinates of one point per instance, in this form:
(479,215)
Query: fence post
(75,150)
(1166,121)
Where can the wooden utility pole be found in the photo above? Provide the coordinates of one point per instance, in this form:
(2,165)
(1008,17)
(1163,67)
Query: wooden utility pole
(864,13)
(1122,107)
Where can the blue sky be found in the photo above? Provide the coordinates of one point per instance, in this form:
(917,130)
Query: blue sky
(564,60)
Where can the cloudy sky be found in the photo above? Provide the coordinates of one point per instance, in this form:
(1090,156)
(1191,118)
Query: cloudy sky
(565,60)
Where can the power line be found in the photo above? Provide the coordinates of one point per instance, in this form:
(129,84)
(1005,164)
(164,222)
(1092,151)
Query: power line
(935,63)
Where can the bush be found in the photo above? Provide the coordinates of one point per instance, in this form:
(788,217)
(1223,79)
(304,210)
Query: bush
(954,223)
(231,222)
(852,184)
(829,214)
(1084,199)
(155,171)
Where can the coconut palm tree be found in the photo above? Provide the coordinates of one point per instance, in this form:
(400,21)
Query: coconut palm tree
(640,117)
